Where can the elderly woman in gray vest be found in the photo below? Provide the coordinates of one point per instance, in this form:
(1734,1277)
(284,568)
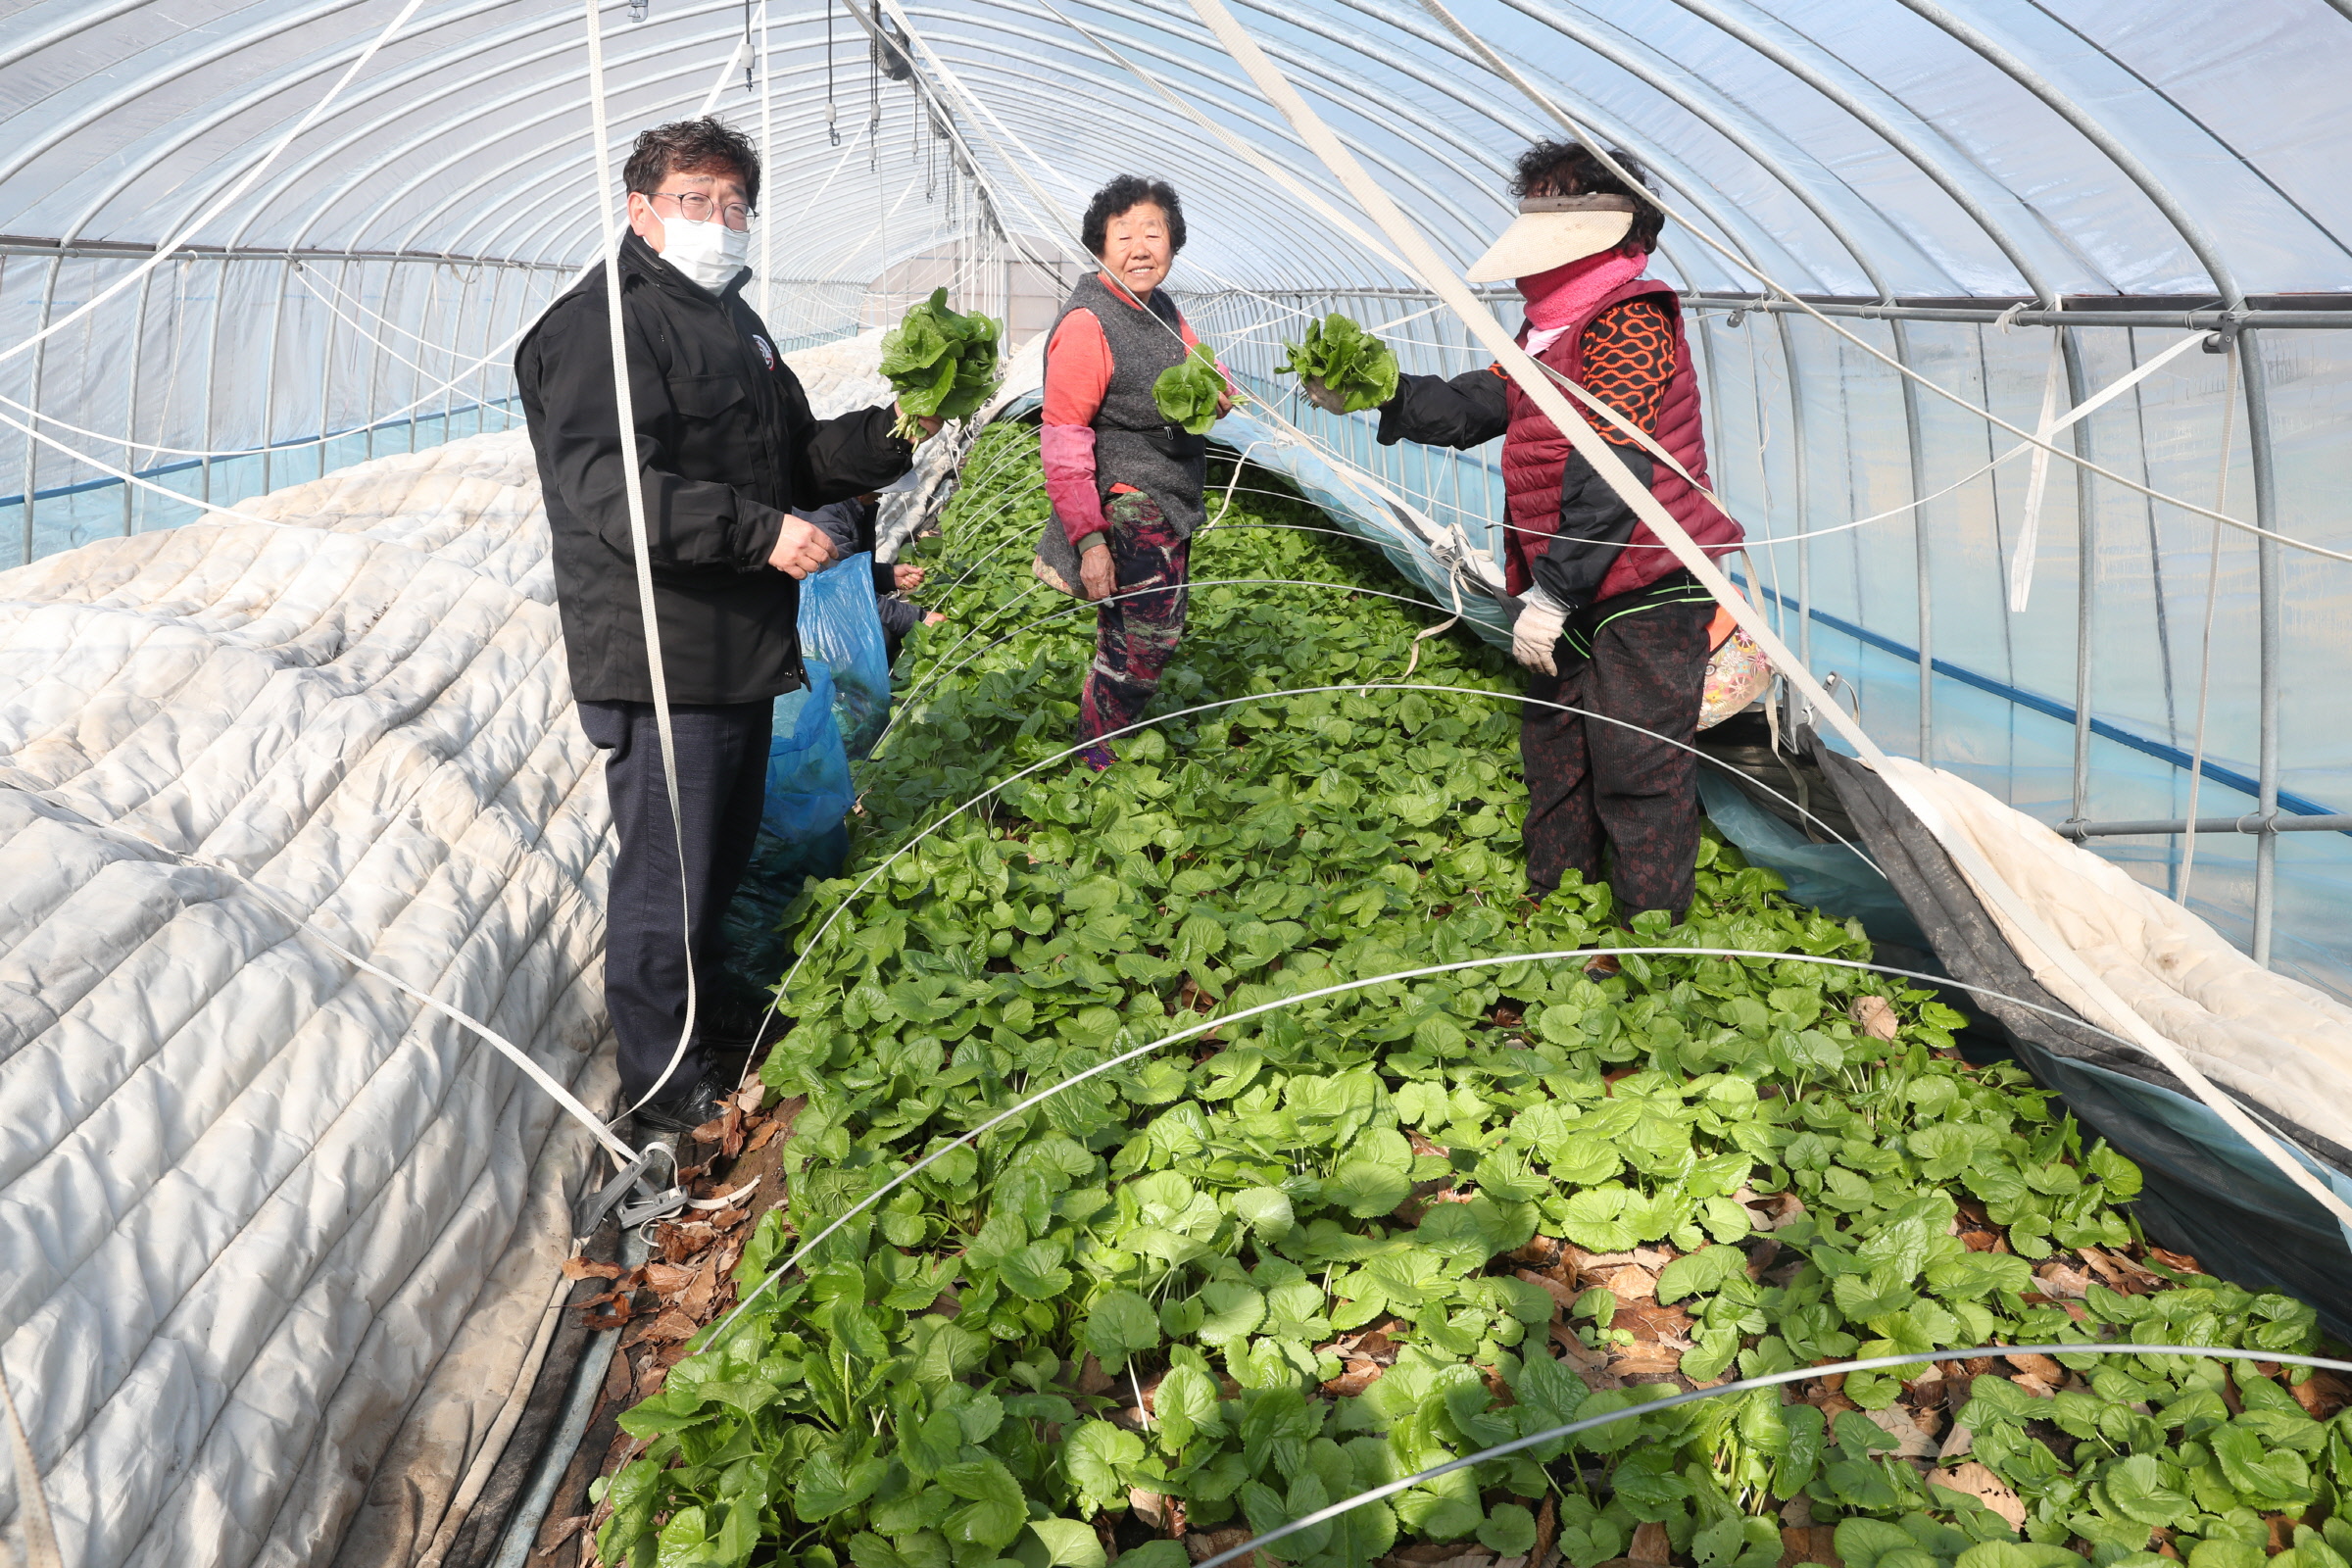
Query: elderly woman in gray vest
(1124,482)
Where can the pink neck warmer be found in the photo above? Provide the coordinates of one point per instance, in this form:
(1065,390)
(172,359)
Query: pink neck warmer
(1556,299)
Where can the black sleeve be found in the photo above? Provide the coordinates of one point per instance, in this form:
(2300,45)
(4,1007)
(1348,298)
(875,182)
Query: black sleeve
(898,615)
(833,459)
(886,576)
(690,525)
(1467,411)
(1595,526)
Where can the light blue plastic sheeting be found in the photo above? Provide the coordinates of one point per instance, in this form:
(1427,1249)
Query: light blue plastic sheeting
(1830,877)
(808,789)
(840,625)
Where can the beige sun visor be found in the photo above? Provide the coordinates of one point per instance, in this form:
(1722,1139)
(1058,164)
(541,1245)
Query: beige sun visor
(1552,231)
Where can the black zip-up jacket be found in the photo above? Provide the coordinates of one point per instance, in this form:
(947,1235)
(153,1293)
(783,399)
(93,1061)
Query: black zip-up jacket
(727,447)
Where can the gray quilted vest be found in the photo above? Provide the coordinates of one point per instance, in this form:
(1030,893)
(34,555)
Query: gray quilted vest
(1133,443)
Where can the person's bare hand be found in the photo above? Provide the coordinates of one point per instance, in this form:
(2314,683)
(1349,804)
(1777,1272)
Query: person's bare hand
(907,579)
(1098,577)
(802,548)
(1224,402)
(933,619)
(930,423)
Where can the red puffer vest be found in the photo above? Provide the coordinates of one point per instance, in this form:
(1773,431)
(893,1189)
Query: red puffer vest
(1534,452)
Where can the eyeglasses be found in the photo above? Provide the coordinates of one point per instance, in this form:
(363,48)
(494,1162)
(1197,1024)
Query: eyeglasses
(697,208)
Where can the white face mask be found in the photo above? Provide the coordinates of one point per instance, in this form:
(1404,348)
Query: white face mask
(709,254)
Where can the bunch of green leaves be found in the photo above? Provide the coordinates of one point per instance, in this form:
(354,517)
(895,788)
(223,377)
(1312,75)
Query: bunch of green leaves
(1187,392)
(942,364)
(1143,1285)
(1344,356)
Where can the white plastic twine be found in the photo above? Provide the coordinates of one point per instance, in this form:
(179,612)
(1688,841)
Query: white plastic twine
(634,479)
(2019,919)
(1745,1386)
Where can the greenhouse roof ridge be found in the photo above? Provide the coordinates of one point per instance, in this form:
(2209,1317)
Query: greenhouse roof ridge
(1918,149)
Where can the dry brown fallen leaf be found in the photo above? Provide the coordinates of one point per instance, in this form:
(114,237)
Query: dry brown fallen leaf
(2061,1282)
(1560,1293)
(1631,1283)
(1644,1360)
(582,1268)
(1973,1480)
(1874,1017)
(2038,1367)
(1912,1441)
(1651,1545)
(668,1279)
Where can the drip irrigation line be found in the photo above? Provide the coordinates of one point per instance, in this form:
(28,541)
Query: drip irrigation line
(1772,1380)
(1220,1019)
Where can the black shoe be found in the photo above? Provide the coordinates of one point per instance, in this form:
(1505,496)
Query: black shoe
(705,1102)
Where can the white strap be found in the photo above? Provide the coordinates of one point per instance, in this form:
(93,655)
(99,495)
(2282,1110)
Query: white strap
(625,411)
(1989,883)
(2028,533)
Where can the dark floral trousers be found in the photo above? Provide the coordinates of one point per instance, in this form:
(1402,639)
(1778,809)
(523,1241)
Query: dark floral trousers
(1135,634)
(1589,780)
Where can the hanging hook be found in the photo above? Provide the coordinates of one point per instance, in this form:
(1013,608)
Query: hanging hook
(832,130)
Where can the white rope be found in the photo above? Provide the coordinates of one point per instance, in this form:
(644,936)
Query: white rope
(1435,273)
(626,412)
(164,252)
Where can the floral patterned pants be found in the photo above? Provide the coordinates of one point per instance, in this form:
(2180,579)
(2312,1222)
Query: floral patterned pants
(1136,632)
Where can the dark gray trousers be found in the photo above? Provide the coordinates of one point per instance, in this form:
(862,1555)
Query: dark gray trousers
(723,780)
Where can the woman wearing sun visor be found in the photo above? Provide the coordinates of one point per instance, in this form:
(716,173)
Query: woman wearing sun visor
(1610,622)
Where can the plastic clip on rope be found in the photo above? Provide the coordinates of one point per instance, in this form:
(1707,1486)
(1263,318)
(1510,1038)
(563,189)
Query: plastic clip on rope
(2006,904)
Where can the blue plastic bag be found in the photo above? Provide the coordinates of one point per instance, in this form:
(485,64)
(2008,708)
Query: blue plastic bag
(840,625)
(808,790)
(803,832)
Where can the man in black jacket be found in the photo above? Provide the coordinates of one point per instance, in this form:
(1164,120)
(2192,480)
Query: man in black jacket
(726,448)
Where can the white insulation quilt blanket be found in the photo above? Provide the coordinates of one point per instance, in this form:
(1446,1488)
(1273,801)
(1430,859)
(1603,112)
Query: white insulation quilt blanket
(275,1239)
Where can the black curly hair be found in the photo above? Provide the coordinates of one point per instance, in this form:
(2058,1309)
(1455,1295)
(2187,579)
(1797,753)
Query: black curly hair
(691,147)
(1122,195)
(1569,168)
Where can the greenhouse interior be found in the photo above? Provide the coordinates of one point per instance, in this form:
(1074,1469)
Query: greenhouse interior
(1157,1107)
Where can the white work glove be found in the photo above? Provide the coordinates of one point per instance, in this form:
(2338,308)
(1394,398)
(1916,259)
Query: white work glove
(1541,620)
(1323,397)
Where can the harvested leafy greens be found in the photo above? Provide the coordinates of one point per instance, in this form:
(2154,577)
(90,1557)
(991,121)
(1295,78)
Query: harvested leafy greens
(1187,392)
(942,364)
(1344,356)
(1332,1245)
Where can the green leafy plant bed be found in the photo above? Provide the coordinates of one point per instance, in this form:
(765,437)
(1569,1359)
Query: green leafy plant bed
(1309,1251)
